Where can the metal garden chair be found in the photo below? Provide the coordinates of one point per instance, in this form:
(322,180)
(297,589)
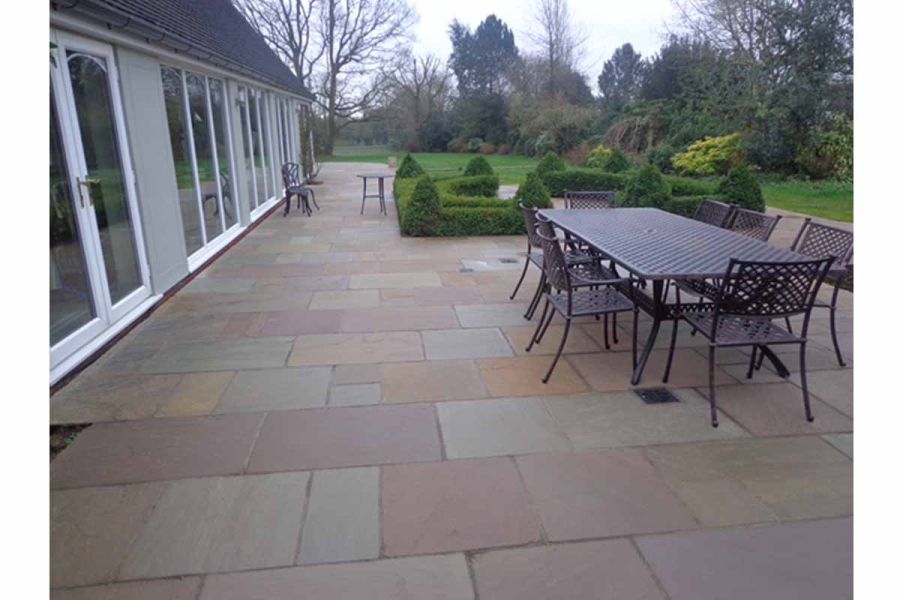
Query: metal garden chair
(590,200)
(295,185)
(753,224)
(752,295)
(564,293)
(713,212)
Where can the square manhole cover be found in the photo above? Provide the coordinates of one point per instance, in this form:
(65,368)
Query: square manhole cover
(509,261)
(656,395)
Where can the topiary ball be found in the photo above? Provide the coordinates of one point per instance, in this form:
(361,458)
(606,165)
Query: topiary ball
(741,187)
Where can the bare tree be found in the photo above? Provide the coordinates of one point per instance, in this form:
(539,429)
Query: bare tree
(358,36)
(558,40)
(417,88)
(290,27)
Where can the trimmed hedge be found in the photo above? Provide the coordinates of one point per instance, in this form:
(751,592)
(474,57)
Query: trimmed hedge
(647,189)
(683,186)
(457,215)
(478,166)
(741,187)
(533,193)
(478,185)
(551,163)
(423,212)
(583,180)
(685,206)
(409,168)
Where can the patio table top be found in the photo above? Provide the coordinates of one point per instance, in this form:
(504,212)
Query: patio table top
(654,244)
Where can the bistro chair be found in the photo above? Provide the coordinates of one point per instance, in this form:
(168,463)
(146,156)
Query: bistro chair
(564,293)
(713,212)
(753,224)
(589,200)
(295,185)
(752,295)
(225,186)
(818,240)
(534,243)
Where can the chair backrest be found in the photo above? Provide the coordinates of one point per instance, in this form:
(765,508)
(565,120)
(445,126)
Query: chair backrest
(225,183)
(290,175)
(589,200)
(753,224)
(770,289)
(819,240)
(713,212)
(530,216)
(554,259)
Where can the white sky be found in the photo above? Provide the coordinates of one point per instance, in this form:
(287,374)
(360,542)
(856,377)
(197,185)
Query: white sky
(607,24)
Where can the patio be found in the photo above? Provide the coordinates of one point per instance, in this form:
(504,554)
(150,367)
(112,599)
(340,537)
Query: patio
(333,411)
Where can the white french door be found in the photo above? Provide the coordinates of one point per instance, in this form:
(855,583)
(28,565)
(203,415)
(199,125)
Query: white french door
(98,268)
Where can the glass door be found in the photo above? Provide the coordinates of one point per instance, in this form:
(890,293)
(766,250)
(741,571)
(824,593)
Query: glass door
(98,270)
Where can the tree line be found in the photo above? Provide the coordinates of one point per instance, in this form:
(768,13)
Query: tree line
(777,72)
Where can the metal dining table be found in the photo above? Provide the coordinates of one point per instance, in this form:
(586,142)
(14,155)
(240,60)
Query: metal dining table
(379,194)
(659,247)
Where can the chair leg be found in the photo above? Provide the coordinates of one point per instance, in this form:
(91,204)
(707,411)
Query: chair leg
(615,329)
(671,351)
(752,366)
(787,324)
(536,299)
(537,329)
(313,196)
(634,331)
(287,205)
(606,330)
(521,278)
(834,338)
(562,344)
(712,386)
(809,415)
(546,325)
(759,360)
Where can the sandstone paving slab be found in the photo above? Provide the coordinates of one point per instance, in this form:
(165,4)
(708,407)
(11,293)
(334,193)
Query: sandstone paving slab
(422,578)
(92,528)
(404,318)
(350,348)
(795,560)
(301,322)
(276,389)
(344,437)
(521,376)
(342,520)
(834,387)
(181,588)
(223,355)
(601,494)
(819,357)
(756,480)
(841,441)
(361,281)
(499,428)
(578,340)
(616,419)
(356,394)
(611,371)
(196,394)
(317,283)
(465,343)
(155,449)
(344,299)
(609,569)
(105,396)
(491,315)
(362,373)
(219,285)
(220,524)
(777,409)
(431,381)
(446,296)
(454,505)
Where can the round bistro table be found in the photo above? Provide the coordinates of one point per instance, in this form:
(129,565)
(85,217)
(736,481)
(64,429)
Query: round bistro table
(380,194)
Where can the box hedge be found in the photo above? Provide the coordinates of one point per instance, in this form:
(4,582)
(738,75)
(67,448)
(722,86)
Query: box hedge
(583,180)
(409,168)
(478,166)
(477,185)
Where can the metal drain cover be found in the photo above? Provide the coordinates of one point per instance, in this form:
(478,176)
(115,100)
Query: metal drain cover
(509,261)
(658,395)
(465,270)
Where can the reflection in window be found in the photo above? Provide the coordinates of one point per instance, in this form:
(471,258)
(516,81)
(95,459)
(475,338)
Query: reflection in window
(203,149)
(223,150)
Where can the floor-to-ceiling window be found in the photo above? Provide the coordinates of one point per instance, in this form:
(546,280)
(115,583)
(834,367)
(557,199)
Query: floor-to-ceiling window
(201,151)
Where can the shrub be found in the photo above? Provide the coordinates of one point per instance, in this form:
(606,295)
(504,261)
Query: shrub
(617,162)
(478,166)
(423,212)
(661,156)
(487,148)
(474,144)
(685,206)
(741,187)
(504,149)
(682,186)
(544,144)
(582,180)
(551,163)
(647,188)
(485,186)
(710,156)
(533,193)
(409,168)
(457,145)
(596,158)
(829,152)
(577,155)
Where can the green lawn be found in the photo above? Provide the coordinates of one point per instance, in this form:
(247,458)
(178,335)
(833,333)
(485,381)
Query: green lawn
(825,199)
(511,169)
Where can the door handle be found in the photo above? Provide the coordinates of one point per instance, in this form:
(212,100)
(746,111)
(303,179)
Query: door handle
(83,184)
